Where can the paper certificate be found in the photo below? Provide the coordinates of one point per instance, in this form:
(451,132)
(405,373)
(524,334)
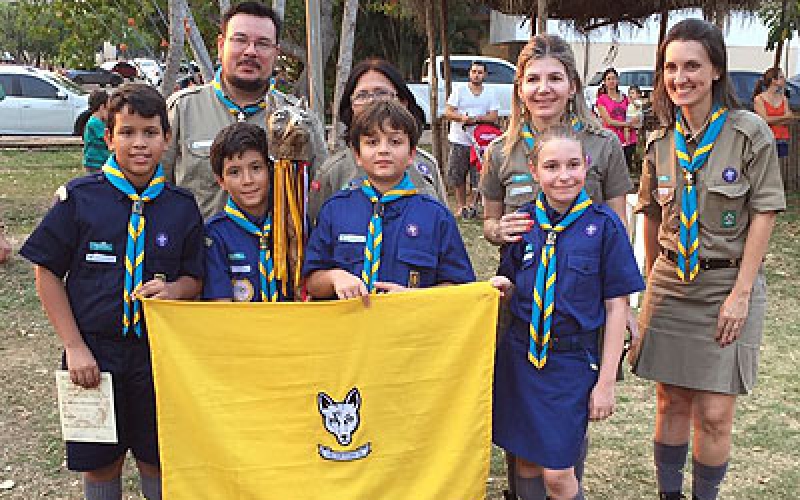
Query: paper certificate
(87,415)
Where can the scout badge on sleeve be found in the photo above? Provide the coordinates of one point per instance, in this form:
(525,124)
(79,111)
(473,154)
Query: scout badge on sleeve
(292,133)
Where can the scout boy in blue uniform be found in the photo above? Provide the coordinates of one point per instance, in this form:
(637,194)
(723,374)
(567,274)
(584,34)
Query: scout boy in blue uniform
(239,265)
(572,272)
(381,235)
(111,238)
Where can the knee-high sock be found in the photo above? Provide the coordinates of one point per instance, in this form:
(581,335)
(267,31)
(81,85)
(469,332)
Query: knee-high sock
(103,490)
(706,479)
(581,463)
(669,466)
(531,488)
(151,487)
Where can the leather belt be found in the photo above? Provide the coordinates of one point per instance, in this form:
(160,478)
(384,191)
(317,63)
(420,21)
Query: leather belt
(705,264)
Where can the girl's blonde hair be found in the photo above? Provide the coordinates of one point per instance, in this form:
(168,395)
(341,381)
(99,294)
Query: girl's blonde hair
(542,47)
(551,133)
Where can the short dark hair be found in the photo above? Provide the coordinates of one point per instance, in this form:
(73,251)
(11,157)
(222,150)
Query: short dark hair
(96,99)
(237,139)
(391,73)
(140,99)
(252,8)
(376,115)
(478,62)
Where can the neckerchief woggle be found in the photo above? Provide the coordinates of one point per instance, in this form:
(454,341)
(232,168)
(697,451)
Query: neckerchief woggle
(372,248)
(134,247)
(241,113)
(529,138)
(266,271)
(688,246)
(545,285)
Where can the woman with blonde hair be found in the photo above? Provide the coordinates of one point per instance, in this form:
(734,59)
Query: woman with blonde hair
(547,91)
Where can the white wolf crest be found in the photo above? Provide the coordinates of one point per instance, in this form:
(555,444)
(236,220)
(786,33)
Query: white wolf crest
(340,418)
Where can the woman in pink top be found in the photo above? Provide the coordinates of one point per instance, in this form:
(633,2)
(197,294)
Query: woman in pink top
(612,107)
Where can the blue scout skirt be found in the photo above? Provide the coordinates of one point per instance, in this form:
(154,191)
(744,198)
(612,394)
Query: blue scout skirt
(542,415)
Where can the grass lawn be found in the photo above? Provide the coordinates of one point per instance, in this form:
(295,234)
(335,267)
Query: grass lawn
(766,433)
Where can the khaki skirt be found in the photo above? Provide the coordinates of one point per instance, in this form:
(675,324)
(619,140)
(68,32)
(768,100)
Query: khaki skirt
(678,322)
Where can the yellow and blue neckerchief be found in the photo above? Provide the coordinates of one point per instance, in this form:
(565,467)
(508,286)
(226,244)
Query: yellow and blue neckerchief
(134,247)
(372,248)
(544,288)
(688,246)
(527,133)
(266,272)
(241,113)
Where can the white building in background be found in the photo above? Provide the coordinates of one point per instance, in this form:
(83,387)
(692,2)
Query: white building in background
(745,38)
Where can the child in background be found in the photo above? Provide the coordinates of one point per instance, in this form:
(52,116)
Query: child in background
(635,111)
(381,235)
(238,239)
(571,276)
(91,271)
(95,149)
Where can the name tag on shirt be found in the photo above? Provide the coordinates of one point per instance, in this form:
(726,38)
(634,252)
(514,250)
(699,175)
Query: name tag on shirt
(352,238)
(201,144)
(101,257)
(520,190)
(240,269)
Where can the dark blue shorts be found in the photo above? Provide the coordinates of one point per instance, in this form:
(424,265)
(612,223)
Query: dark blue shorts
(128,361)
(782,147)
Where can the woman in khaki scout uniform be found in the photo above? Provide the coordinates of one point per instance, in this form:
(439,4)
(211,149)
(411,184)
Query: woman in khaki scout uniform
(548,91)
(711,182)
(373,79)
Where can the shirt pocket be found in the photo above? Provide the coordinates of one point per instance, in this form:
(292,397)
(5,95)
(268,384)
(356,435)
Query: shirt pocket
(420,266)
(665,197)
(161,266)
(350,257)
(199,148)
(582,279)
(724,210)
(519,191)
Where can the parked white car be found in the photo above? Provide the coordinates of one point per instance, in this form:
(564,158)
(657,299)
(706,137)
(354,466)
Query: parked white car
(149,69)
(40,102)
(499,77)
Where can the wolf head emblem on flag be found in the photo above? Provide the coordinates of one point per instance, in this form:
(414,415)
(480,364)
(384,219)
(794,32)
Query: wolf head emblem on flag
(340,418)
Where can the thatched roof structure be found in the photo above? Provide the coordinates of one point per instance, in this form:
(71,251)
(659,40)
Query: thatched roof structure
(589,14)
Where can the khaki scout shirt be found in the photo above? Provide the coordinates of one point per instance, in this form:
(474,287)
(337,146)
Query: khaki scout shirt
(196,115)
(340,169)
(510,179)
(741,176)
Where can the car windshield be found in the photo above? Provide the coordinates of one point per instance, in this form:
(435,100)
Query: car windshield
(65,82)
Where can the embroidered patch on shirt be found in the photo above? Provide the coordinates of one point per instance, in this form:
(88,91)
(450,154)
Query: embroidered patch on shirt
(520,190)
(521,178)
(528,255)
(352,238)
(240,269)
(236,256)
(663,178)
(728,219)
(412,230)
(209,242)
(588,161)
(162,239)
(242,290)
(423,169)
(315,186)
(730,175)
(591,230)
(101,257)
(100,246)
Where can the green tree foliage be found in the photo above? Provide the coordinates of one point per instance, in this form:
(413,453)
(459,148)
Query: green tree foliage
(30,32)
(770,15)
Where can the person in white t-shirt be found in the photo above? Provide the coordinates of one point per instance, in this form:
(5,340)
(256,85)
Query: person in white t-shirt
(467,106)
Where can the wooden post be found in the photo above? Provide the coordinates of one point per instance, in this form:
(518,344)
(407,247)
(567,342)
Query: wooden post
(662,26)
(279,6)
(448,79)
(343,66)
(781,28)
(315,67)
(430,30)
(541,17)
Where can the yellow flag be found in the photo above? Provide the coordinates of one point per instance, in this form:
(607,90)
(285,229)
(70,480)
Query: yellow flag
(326,400)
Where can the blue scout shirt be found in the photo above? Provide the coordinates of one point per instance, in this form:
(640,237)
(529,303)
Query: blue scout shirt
(83,237)
(232,262)
(594,262)
(421,243)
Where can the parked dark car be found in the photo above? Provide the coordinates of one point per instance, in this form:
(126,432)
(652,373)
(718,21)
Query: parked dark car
(98,76)
(744,82)
(122,68)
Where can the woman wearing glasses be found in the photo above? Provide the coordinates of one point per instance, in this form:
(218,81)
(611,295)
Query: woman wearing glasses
(369,80)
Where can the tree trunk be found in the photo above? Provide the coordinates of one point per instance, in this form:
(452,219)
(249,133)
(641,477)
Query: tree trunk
(781,28)
(176,41)
(541,17)
(316,65)
(430,30)
(443,36)
(662,27)
(343,67)
(224,6)
(279,6)
(198,46)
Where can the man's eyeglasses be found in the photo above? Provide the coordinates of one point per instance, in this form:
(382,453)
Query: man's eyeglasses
(366,96)
(262,45)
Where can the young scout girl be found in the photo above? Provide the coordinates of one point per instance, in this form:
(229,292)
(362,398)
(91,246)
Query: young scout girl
(710,190)
(573,271)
